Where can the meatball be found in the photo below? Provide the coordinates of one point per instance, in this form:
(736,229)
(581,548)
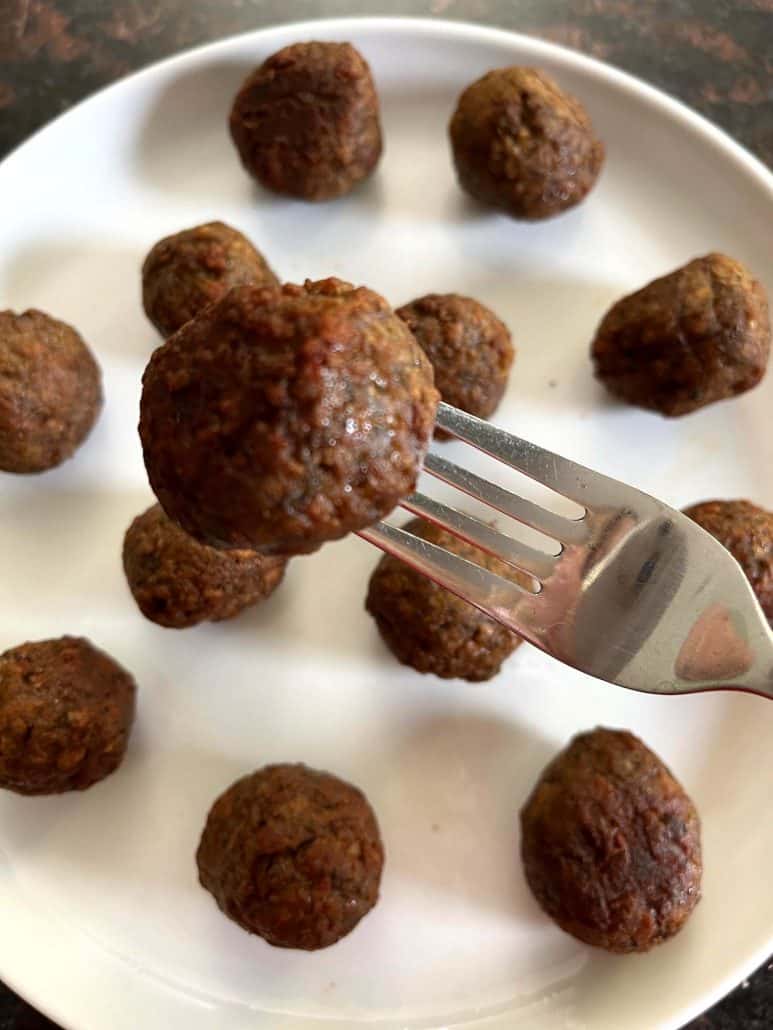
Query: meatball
(66,710)
(50,391)
(611,843)
(470,350)
(278,419)
(429,628)
(184,273)
(522,144)
(293,855)
(695,336)
(178,582)
(306,122)
(747,532)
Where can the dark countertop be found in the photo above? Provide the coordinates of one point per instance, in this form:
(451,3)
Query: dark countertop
(716,55)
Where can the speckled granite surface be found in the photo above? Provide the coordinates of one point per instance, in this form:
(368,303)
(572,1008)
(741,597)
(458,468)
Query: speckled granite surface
(717,55)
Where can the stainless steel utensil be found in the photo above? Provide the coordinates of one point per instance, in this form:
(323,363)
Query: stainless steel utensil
(633,592)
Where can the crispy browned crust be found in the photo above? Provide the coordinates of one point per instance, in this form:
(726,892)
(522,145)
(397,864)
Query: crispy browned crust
(306,122)
(696,336)
(66,710)
(469,347)
(611,843)
(178,582)
(429,628)
(292,854)
(746,530)
(522,144)
(185,272)
(50,391)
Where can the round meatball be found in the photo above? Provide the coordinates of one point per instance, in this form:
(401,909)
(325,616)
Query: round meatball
(66,710)
(293,855)
(178,582)
(429,628)
(306,122)
(469,347)
(696,336)
(278,419)
(185,272)
(747,532)
(50,391)
(522,144)
(611,843)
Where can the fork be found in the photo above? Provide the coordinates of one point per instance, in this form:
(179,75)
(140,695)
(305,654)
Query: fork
(633,592)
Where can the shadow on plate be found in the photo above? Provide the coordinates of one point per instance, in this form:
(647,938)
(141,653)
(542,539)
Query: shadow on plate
(91,282)
(553,319)
(130,827)
(317,610)
(184,144)
(449,812)
(186,127)
(60,551)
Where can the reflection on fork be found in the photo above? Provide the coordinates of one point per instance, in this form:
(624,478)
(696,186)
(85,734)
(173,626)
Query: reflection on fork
(632,592)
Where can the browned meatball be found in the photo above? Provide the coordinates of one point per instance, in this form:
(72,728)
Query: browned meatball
(431,629)
(178,582)
(50,391)
(747,532)
(306,122)
(293,855)
(279,419)
(693,337)
(470,349)
(611,843)
(185,272)
(521,143)
(66,710)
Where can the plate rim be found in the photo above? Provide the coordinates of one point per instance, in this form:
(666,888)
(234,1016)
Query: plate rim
(604,72)
(601,70)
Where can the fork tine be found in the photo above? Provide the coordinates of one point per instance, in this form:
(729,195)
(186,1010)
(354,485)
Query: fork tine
(521,556)
(565,477)
(486,590)
(567,531)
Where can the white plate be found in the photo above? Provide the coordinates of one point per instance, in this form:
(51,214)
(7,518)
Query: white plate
(103,923)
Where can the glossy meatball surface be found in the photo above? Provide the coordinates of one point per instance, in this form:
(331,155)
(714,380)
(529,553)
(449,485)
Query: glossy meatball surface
(66,710)
(696,336)
(611,845)
(306,122)
(523,144)
(185,272)
(293,855)
(431,629)
(279,419)
(50,391)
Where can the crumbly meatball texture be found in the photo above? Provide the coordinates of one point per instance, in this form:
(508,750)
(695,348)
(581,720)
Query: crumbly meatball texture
(611,844)
(50,391)
(279,419)
(178,582)
(185,272)
(746,530)
(429,628)
(522,144)
(66,710)
(306,122)
(293,855)
(469,347)
(696,336)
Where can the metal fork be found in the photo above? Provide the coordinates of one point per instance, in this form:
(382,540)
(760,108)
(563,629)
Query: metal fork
(634,592)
